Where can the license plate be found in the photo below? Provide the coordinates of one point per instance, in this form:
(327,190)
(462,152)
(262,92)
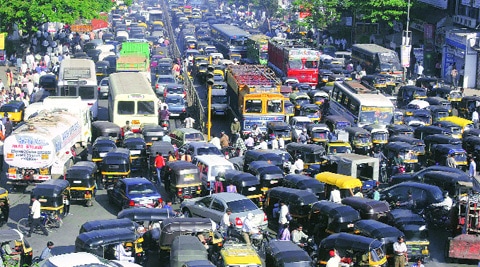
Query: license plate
(189,177)
(135,122)
(154,138)
(135,152)
(103,154)
(77,182)
(274,182)
(251,189)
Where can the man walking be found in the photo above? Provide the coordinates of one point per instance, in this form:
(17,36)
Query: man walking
(472,169)
(36,217)
(159,163)
(400,250)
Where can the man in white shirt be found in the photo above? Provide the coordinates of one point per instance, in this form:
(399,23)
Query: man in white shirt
(475,118)
(447,202)
(122,255)
(189,121)
(282,215)
(335,195)
(35,212)
(216,141)
(299,165)
(225,223)
(248,228)
(400,251)
(472,169)
(263,144)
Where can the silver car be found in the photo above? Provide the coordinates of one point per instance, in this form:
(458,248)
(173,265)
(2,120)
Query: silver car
(103,88)
(214,206)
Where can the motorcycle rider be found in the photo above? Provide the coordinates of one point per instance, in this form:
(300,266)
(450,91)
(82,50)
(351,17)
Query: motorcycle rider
(256,131)
(398,164)
(164,114)
(248,228)
(377,153)
(299,237)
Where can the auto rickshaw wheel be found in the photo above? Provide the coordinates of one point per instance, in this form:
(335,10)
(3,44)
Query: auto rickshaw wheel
(89,203)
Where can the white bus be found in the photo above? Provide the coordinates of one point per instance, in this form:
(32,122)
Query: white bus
(131,98)
(360,105)
(77,77)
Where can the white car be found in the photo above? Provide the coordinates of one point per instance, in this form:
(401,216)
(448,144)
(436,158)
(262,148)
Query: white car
(82,259)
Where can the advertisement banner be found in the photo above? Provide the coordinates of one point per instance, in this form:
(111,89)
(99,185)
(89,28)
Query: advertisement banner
(3,35)
(405,55)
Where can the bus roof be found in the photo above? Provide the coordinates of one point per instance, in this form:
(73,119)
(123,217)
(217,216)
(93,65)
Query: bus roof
(374,48)
(128,83)
(230,30)
(77,68)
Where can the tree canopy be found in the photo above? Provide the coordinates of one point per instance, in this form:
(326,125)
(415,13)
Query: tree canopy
(29,15)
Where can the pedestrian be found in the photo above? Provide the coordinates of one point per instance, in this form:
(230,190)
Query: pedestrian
(225,223)
(376,194)
(473,168)
(224,140)
(189,121)
(168,206)
(282,214)
(36,217)
(231,188)
(281,142)
(159,164)
(235,128)
(335,195)
(418,263)
(475,118)
(239,145)
(249,142)
(454,74)
(284,234)
(66,205)
(215,141)
(47,251)
(400,250)
(451,161)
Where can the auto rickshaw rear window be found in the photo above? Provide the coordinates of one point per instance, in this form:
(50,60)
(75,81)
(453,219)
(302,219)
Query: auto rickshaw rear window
(242,205)
(140,189)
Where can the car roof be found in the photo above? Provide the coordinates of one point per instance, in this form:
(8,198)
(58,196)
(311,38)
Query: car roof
(74,259)
(135,180)
(214,159)
(228,197)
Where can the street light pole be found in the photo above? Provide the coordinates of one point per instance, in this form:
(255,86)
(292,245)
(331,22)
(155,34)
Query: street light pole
(406,45)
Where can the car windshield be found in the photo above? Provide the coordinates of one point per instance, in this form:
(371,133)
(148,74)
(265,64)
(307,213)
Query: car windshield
(208,151)
(174,101)
(141,189)
(320,135)
(175,90)
(217,169)
(242,205)
(460,157)
(192,137)
(166,80)
(302,124)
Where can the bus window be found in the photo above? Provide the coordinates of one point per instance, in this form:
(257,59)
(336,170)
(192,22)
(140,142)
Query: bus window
(126,107)
(253,106)
(275,106)
(87,92)
(145,107)
(68,91)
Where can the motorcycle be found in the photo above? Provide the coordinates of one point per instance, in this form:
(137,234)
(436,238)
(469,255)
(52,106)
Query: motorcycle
(165,124)
(438,217)
(310,247)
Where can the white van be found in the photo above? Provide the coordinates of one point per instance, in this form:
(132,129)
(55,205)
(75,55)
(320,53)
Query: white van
(209,167)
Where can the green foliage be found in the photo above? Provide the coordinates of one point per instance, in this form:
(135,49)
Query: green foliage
(29,15)
(323,13)
(381,10)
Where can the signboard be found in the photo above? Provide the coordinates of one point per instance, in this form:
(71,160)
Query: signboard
(3,36)
(476,3)
(405,55)
(441,4)
(28,151)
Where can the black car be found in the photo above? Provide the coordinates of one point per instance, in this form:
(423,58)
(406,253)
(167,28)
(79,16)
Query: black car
(422,194)
(134,192)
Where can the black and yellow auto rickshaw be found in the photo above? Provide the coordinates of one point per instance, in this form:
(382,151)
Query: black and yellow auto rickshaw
(15,111)
(318,97)
(15,239)
(311,154)
(336,122)
(102,69)
(419,117)
(163,148)
(115,165)
(379,135)
(105,128)
(468,105)
(319,133)
(453,183)
(418,145)
(428,83)
(152,133)
(438,101)
(182,180)
(186,248)
(368,208)
(270,175)
(438,112)
(360,139)
(138,150)
(299,99)
(423,131)
(455,130)
(306,183)
(101,147)
(408,93)
(327,217)
(103,243)
(406,151)
(439,154)
(146,216)
(312,111)
(454,96)
(83,181)
(263,155)
(173,227)
(432,140)
(358,250)
(299,203)
(277,128)
(338,147)
(246,183)
(52,195)
(289,108)
(4,206)
(399,129)
(124,223)
(279,254)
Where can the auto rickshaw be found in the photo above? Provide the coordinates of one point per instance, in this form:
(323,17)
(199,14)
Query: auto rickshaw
(108,224)
(328,217)
(319,133)
(277,128)
(115,165)
(299,203)
(415,104)
(428,83)
(456,131)
(16,239)
(299,99)
(263,155)
(303,182)
(385,233)
(182,180)
(406,152)
(152,133)
(423,131)
(173,227)
(15,111)
(270,176)
(398,117)
(360,139)
(51,195)
(438,112)
(279,254)
(432,140)
(318,97)
(438,101)
(463,123)
(163,148)
(186,248)
(408,93)
(103,242)
(362,251)
(399,129)
(418,144)
(138,150)
(468,105)
(83,181)
(312,111)
(289,108)
(336,123)
(105,128)
(102,69)
(453,183)
(379,135)
(146,216)
(338,147)
(454,96)
(346,184)
(419,117)
(374,82)
(439,153)
(101,147)
(246,184)
(234,254)
(368,208)
(415,229)
(311,154)
(4,206)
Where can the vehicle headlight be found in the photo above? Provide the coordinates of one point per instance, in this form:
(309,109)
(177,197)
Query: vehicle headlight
(422,228)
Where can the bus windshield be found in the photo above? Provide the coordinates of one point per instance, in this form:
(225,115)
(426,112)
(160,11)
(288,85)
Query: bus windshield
(389,62)
(253,106)
(376,115)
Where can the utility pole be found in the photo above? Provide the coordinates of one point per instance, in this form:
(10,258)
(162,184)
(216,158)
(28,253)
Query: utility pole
(406,47)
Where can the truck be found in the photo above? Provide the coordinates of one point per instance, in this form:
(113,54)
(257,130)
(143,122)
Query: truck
(220,100)
(44,147)
(134,57)
(291,58)
(255,91)
(257,49)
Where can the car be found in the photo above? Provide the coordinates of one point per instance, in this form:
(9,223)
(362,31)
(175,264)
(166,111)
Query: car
(163,81)
(182,136)
(82,259)
(134,192)
(103,88)
(418,176)
(423,195)
(175,89)
(298,124)
(177,106)
(201,148)
(214,206)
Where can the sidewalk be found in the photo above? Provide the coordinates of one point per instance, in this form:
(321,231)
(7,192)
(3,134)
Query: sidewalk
(471,91)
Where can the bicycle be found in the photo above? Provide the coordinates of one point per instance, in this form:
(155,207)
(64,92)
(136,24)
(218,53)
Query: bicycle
(49,220)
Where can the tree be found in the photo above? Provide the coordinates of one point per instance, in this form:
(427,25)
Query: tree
(28,16)
(383,11)
(322,13)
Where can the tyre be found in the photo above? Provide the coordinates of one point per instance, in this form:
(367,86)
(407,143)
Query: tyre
(187,213)
(23,225)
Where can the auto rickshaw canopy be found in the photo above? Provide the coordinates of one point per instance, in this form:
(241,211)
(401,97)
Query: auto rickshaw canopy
(339,180)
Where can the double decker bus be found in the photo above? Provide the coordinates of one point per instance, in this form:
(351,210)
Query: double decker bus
(230,40)
(257,49)
(377,59)
(360,105)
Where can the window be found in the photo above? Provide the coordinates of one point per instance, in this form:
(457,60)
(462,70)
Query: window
(145,107)
(275,106)
(87,92)
(253,106)
(242,205)
(205,202)
(68,91)
(126,107)
(217,205)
